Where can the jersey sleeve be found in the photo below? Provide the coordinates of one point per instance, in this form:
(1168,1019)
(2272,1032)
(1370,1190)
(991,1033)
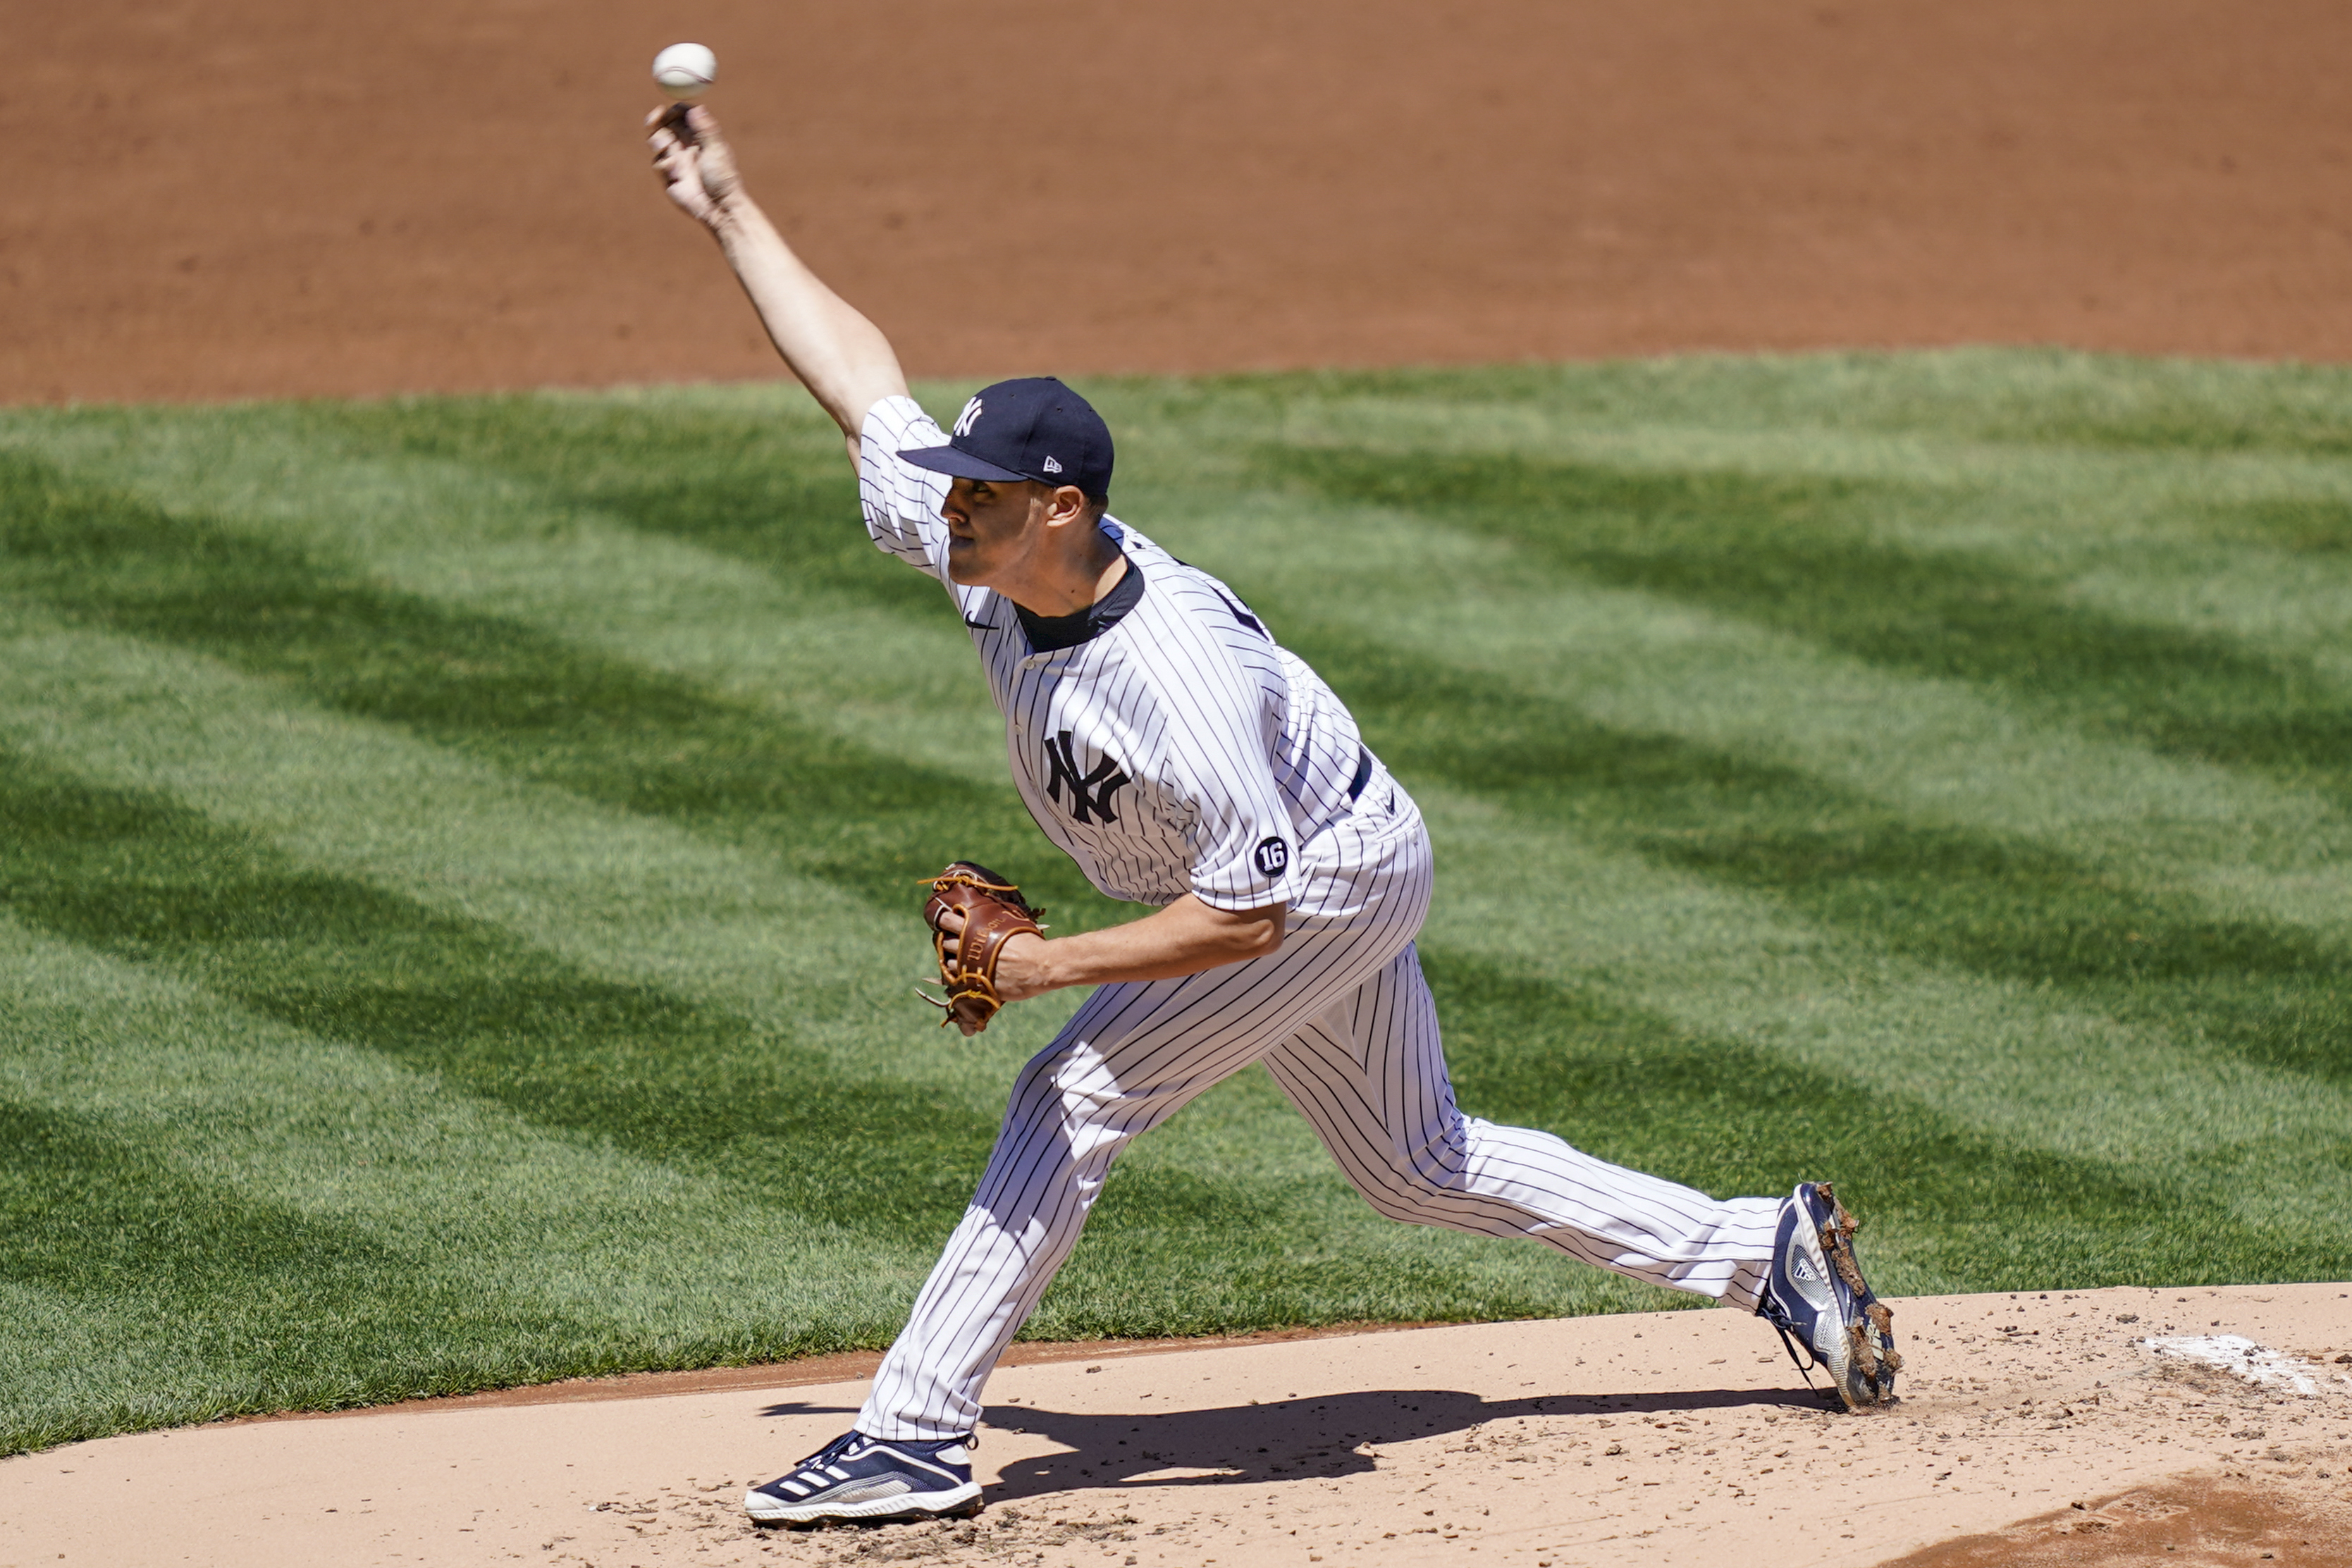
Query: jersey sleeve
(901,502)
(1244,851)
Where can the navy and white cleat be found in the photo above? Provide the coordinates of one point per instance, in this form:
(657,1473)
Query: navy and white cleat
(856,1479)
(1815,1296)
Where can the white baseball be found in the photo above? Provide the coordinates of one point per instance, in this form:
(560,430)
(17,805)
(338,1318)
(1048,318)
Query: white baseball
(685,71)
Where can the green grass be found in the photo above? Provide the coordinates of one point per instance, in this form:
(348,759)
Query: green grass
(457,856)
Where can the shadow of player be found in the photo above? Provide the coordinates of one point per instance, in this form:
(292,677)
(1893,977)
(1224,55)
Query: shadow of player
(1315,1439)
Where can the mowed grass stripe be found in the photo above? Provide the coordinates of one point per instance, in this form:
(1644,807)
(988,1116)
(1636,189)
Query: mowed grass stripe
(444,518)
(1279,1240)
(1342,662)
(2003,907)
(1799,554)
(763,484)
(859,647)
(2241,538)
(638,1047)
(453,1182)
(2155,407)
(771,936)
(826,672)
(283,1310)
(551,711)
(1636,1086)
(642,1091)
(2014,1064)
(144,878)
(291,1223)
(2135,417)
(1937,750)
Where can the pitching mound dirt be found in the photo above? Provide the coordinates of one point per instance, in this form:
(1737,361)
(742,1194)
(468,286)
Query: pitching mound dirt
(263,197)
(2035,1429)
(2204,1518)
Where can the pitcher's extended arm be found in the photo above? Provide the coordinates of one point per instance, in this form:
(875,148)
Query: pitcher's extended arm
(841,357)
(1184,938)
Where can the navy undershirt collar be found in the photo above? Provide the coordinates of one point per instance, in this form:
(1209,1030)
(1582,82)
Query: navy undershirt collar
(1051,633)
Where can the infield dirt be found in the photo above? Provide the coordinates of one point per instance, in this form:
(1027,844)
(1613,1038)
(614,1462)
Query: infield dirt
(2035,1429)
(271,197)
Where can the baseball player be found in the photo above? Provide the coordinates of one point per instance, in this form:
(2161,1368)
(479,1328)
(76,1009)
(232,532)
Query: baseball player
(1185,761)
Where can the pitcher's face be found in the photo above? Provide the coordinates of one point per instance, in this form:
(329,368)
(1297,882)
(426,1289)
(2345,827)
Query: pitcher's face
(993,530)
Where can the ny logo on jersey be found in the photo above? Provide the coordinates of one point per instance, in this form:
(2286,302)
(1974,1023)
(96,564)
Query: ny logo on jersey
(968,418)
(1090,795)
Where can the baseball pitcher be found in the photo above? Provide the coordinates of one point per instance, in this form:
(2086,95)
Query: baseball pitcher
(1186,760)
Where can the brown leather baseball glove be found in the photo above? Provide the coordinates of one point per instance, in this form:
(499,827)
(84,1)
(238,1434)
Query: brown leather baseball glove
(993,912)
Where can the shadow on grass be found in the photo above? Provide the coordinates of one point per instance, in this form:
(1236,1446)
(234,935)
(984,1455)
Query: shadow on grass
(1799,554)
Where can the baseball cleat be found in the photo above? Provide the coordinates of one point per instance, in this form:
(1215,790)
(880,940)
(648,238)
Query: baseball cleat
(1815,1296)
(856,1479)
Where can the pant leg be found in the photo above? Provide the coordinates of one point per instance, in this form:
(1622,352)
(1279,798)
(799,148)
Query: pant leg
(1370,1073)
(1072,1111)
(1134,1055)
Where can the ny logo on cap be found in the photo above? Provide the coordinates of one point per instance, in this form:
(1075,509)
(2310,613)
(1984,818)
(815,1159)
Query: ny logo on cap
(968,418)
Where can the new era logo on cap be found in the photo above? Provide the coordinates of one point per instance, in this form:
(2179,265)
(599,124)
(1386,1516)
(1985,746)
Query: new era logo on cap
(1035,428)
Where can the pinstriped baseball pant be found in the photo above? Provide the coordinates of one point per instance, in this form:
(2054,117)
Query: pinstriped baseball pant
(1343,1019)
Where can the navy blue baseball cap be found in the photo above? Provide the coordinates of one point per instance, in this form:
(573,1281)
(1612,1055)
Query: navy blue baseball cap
(1033,428)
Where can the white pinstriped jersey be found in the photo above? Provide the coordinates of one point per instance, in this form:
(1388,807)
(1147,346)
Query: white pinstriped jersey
(1178,749)
(1181,750)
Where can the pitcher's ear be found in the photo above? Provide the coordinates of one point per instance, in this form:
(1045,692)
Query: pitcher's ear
(1068,503)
